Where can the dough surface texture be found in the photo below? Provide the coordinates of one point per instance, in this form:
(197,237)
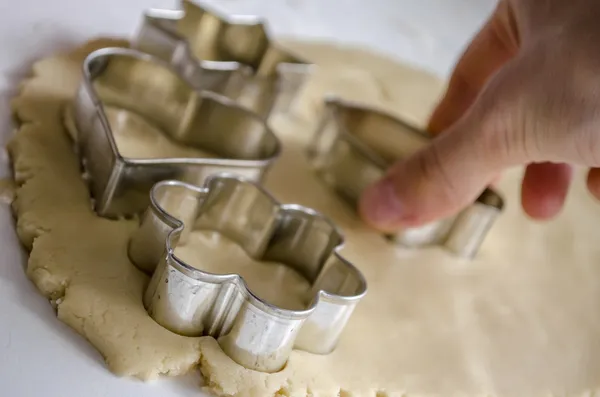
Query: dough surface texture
(520,320)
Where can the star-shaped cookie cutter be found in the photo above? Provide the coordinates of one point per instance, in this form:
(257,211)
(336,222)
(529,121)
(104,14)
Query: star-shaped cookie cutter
(189,301)
(352,148)
(140,88)
(198,37)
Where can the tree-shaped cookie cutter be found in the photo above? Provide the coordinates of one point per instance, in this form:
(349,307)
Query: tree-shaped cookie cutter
(352,148)
(140,87)
(199,37)
(189,301)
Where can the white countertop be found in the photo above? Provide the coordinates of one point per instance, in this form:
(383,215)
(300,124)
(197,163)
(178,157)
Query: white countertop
(38,354)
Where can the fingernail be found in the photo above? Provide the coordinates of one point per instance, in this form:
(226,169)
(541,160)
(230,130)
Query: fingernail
(380,205)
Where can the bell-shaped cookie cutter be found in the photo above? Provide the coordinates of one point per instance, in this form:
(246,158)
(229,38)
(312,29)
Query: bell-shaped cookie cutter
(198,37)
(192,302)
(138,87)
(352,148)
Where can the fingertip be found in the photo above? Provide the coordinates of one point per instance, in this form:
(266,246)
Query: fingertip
(593,182)
(544,189)
(543,208)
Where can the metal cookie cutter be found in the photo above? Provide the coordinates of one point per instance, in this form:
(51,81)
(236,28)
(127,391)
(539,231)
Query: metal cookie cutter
(192,302)
(353,147)
(198,38)
(139,89)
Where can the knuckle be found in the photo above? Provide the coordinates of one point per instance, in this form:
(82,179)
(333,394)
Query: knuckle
(500,125)
(430,165)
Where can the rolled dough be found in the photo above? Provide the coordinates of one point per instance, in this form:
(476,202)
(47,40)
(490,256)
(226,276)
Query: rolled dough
(520,320)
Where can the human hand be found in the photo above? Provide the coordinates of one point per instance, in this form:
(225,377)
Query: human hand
(526,91)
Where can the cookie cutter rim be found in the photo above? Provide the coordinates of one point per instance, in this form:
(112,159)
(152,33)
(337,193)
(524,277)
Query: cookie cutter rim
(157,15)
(461,234)
(86,88)
(257,300)
(183,56)
(320,297)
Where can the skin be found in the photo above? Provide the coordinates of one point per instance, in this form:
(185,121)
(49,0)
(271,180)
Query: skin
(525,92)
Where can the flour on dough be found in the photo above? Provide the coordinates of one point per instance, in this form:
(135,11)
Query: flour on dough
(520,320)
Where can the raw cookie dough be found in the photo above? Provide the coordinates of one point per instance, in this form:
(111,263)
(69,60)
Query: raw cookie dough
(520,320)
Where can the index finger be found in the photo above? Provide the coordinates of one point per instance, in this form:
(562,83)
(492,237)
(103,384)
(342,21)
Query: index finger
(495,44)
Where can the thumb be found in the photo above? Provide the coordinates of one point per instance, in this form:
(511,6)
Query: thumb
(452,171)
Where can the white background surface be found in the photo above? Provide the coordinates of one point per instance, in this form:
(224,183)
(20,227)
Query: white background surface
(38,354)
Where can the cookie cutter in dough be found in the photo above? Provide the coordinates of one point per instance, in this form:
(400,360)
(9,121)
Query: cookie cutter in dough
(352,148)
(199,38)
(191,302)
(141,88)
